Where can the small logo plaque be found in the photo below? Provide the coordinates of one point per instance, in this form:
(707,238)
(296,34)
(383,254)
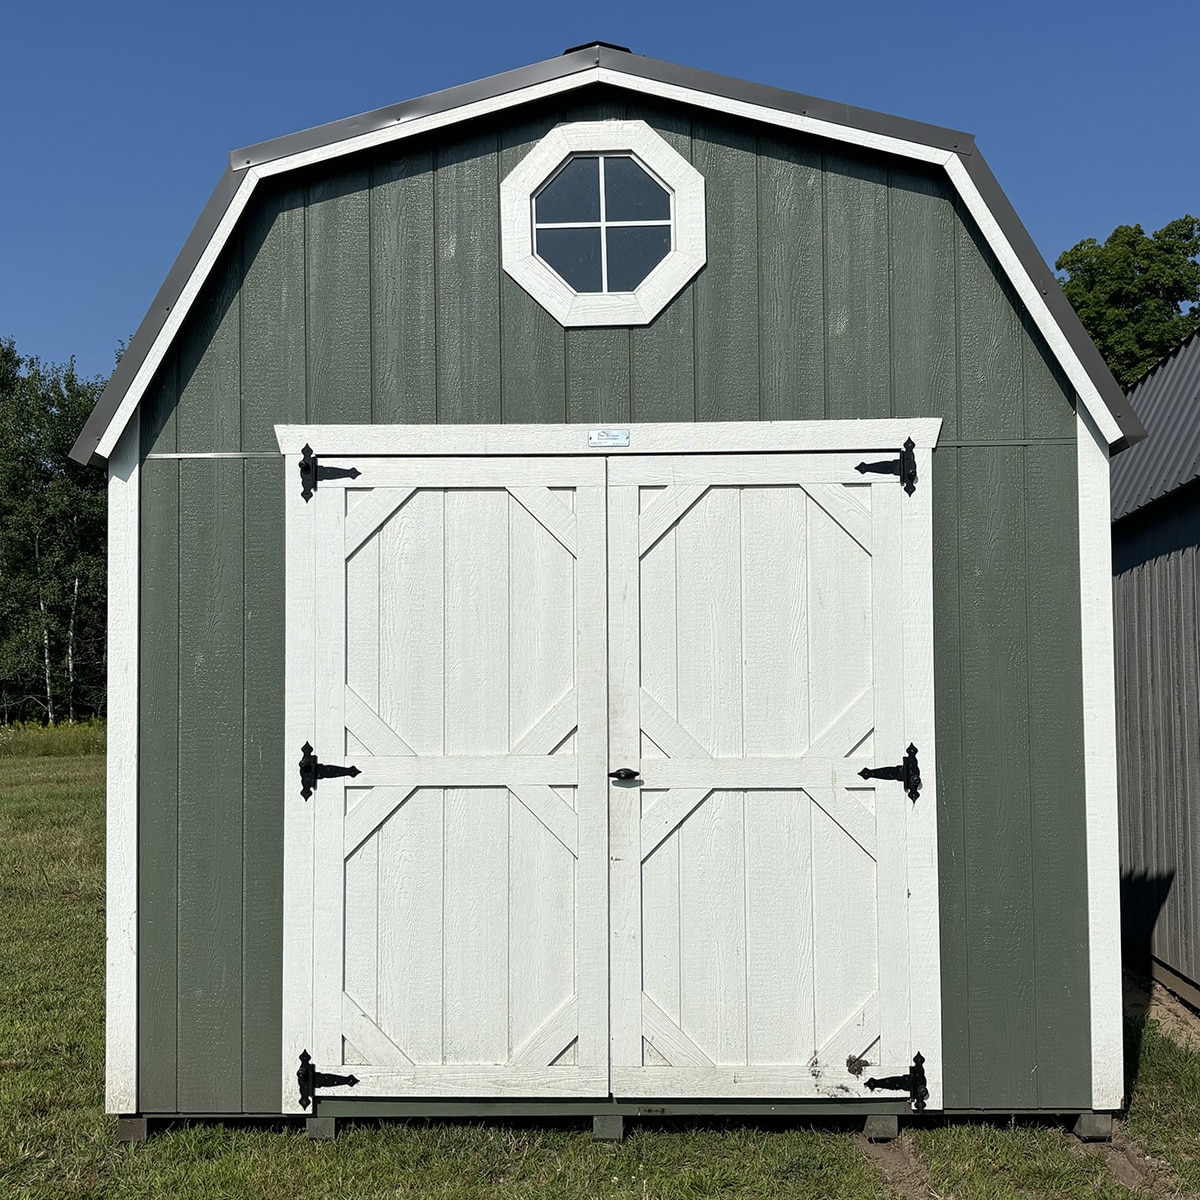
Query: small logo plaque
(608,437)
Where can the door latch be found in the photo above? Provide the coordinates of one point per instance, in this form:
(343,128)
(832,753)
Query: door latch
(908,773)
(624,774)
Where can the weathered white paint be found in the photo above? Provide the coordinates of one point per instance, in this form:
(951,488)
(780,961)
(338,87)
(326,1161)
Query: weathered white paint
(121,872)
(688,244)
(950,160)
(725,437)
(1100,766)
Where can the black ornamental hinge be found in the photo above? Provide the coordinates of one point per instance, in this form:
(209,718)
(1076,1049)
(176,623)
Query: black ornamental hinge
(311,472)
(311,770)
(905,466)
(913,1083)
(309,1079)
(908,773)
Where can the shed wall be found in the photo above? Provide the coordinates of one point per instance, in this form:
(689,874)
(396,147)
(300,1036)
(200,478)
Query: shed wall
(1156,603)
(838,285)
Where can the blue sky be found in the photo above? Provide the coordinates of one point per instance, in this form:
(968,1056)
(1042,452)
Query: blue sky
(118,117)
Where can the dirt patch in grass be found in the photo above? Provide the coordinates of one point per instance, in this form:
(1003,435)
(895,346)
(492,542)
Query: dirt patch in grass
(1144,998)
(902,1170)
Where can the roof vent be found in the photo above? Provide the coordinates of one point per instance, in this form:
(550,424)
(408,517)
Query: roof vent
(606,45)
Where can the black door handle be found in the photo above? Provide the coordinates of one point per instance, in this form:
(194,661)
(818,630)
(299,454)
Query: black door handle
(624,774)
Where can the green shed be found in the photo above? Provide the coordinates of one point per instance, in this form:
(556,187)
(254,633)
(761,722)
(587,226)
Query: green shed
(610,614)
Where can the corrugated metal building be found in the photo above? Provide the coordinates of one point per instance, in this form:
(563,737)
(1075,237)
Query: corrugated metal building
(1156,568)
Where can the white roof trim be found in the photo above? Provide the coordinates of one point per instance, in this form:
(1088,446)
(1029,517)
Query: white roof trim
(1089,395)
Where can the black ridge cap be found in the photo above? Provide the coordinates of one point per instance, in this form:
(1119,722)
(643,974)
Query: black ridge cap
(573,62)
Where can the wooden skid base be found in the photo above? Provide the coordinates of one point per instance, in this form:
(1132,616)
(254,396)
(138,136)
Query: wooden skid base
(321,1129)
(881,1128)
(132,1129)
(1094,1127)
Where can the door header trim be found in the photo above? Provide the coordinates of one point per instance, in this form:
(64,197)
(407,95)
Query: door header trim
(718,437)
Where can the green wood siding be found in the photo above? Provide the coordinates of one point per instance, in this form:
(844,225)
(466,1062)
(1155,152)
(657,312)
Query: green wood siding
(838,285)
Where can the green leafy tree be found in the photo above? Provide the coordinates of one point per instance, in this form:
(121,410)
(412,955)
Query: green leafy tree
(1137,293)
(52,545)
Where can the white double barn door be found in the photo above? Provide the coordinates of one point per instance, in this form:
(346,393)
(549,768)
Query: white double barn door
(481,911)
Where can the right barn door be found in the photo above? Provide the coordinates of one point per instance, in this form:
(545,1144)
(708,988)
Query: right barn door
(774,913)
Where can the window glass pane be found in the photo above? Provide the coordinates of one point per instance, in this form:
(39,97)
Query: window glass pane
(572,195)
(633,252)
(574,254)
(631,195)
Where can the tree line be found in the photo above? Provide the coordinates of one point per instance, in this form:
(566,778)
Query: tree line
(1137,294)
(52,546)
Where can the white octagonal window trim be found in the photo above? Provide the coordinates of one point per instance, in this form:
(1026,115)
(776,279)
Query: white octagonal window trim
(603,150)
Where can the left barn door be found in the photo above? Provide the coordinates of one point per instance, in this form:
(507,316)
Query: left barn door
(446,907)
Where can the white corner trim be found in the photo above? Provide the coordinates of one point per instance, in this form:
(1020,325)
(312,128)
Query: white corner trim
(1100,765)
(121,872)
(688,242)
(717,437)
(1034,301)
(166,335)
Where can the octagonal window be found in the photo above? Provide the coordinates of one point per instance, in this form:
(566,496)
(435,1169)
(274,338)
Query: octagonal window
(603,223)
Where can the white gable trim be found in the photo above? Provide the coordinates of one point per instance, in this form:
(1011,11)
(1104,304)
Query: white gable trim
(949,159)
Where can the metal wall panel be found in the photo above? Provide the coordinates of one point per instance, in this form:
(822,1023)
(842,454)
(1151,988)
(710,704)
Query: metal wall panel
(1156,603)
(837,286)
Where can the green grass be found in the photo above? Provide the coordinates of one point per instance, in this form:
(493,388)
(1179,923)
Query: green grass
(56,1143)
(1164,1115)
(23,739)
(976,1161)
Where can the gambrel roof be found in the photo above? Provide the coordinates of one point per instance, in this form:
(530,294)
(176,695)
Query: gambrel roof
(599,63)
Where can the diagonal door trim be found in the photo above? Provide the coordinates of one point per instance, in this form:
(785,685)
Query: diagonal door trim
(376,735)
(376,508)
(551,810)
(549,511)
(553,729)
(665,511)
(844,508)
(358,1028)
(551,1038)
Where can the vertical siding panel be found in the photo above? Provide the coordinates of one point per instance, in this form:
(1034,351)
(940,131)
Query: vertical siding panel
(949,701)
(403,319)
(598,359)
(1056,782)
(210,411)
(158,778)
(791,286)
(1049,411)
(857,334)
(339,300)
(726,291)
(924,333)
(262,755)
(997,826)
(210,786)
(273,333)
(990,343)
(158,408)
(533,347)
(663,353)
(467,207)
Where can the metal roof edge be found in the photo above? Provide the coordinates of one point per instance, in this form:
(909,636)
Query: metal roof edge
(1056,300)
(1154,367)
(84,449)
(445,100)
